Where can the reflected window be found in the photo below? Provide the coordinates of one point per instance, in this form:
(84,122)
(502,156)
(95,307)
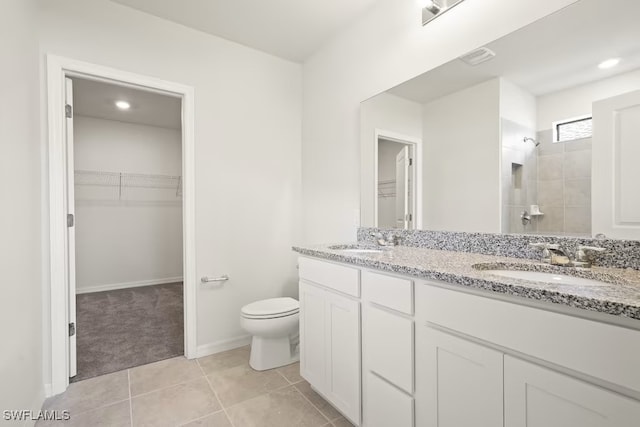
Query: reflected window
(568,130)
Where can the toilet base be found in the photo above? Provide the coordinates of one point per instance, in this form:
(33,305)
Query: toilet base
(269,353)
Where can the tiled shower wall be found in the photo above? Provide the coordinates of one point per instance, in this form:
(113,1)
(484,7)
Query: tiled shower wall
(564,185)
(518,178)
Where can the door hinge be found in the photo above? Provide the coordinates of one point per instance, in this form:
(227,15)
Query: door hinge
(70,220)
(410,162)
(68,111)
(72,329)
(409,217)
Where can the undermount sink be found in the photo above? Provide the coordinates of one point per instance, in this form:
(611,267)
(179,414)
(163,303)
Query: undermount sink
(362,251)
(539,276)
(356,249)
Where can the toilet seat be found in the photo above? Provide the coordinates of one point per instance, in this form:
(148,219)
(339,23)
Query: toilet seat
(271,308)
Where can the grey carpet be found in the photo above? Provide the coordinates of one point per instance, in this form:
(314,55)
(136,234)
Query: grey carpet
(124,328)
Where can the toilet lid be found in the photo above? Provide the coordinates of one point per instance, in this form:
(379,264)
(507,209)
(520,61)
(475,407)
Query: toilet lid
(271,307)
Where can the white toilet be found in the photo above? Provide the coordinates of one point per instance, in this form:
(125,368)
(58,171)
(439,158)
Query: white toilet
(274,325)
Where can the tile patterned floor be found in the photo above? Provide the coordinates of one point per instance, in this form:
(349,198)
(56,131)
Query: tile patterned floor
(214,391)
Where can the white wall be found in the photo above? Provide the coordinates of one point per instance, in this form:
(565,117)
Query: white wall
(20,257)
(382,49)
(389,113)
(517,105)
(136,240)
(461,158)
(577,101)
(247,133)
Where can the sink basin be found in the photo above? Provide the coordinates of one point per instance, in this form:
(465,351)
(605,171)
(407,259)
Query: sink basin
(362,251)
(357,250)
(539,276)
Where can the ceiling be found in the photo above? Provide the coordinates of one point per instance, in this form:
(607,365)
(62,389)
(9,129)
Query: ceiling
(290,29)
(557,52)
(97,99)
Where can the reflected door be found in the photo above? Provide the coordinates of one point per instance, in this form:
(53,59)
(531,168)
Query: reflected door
(403,215)
(615,176)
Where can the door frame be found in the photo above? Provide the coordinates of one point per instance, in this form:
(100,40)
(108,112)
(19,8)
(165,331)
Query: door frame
(57,69)
(416,146)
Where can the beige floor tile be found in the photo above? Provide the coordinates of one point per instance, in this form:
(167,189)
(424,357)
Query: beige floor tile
(162,374)
(91,394)
(174,405)
(225,360)
(219,419)
(284,407)
(115,415)
(318,401)
(291,373)
(342,422)
(238,384)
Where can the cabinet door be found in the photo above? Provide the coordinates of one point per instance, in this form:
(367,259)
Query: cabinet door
(312,335)
(343,354)
(539,397)
(464,382)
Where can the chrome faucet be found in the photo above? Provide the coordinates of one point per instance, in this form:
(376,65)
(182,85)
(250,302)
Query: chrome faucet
(585,256)
(553,254)
(390,240)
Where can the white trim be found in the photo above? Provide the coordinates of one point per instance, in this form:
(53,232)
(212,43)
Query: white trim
(57,69)
(416,143)
(125,285)
(224,345)
(47,391)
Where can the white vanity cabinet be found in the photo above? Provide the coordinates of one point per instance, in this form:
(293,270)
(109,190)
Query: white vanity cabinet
(392,350)
(476,376)
(330,333)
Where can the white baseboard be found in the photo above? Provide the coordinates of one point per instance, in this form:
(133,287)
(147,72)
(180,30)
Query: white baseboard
(224,345)
(112,286)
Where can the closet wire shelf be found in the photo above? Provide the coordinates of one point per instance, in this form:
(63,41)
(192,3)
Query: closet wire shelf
(386,188)
(117,185)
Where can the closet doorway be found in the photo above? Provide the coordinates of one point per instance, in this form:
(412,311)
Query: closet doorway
(127,208)
(121,179)
(398,179)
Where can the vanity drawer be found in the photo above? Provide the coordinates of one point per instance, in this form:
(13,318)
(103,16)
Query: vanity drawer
(339,277)
(392,292)
(389,347)
(386,405)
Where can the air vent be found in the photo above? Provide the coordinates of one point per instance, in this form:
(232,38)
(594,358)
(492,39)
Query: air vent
(478,56)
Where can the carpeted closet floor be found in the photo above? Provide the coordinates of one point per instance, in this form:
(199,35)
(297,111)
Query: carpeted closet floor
(124,328)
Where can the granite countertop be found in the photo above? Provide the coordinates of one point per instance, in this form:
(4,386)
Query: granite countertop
(620,296)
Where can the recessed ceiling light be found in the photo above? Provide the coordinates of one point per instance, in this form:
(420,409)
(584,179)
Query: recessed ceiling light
(609,63)
(123,105)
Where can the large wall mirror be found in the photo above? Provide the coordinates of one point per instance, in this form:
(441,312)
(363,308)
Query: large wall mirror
(536,132)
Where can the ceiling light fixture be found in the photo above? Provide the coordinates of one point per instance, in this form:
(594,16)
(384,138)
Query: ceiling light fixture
(123,105)
(609,63)
(434,8)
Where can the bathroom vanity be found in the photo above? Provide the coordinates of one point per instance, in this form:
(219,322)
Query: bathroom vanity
(412,336)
